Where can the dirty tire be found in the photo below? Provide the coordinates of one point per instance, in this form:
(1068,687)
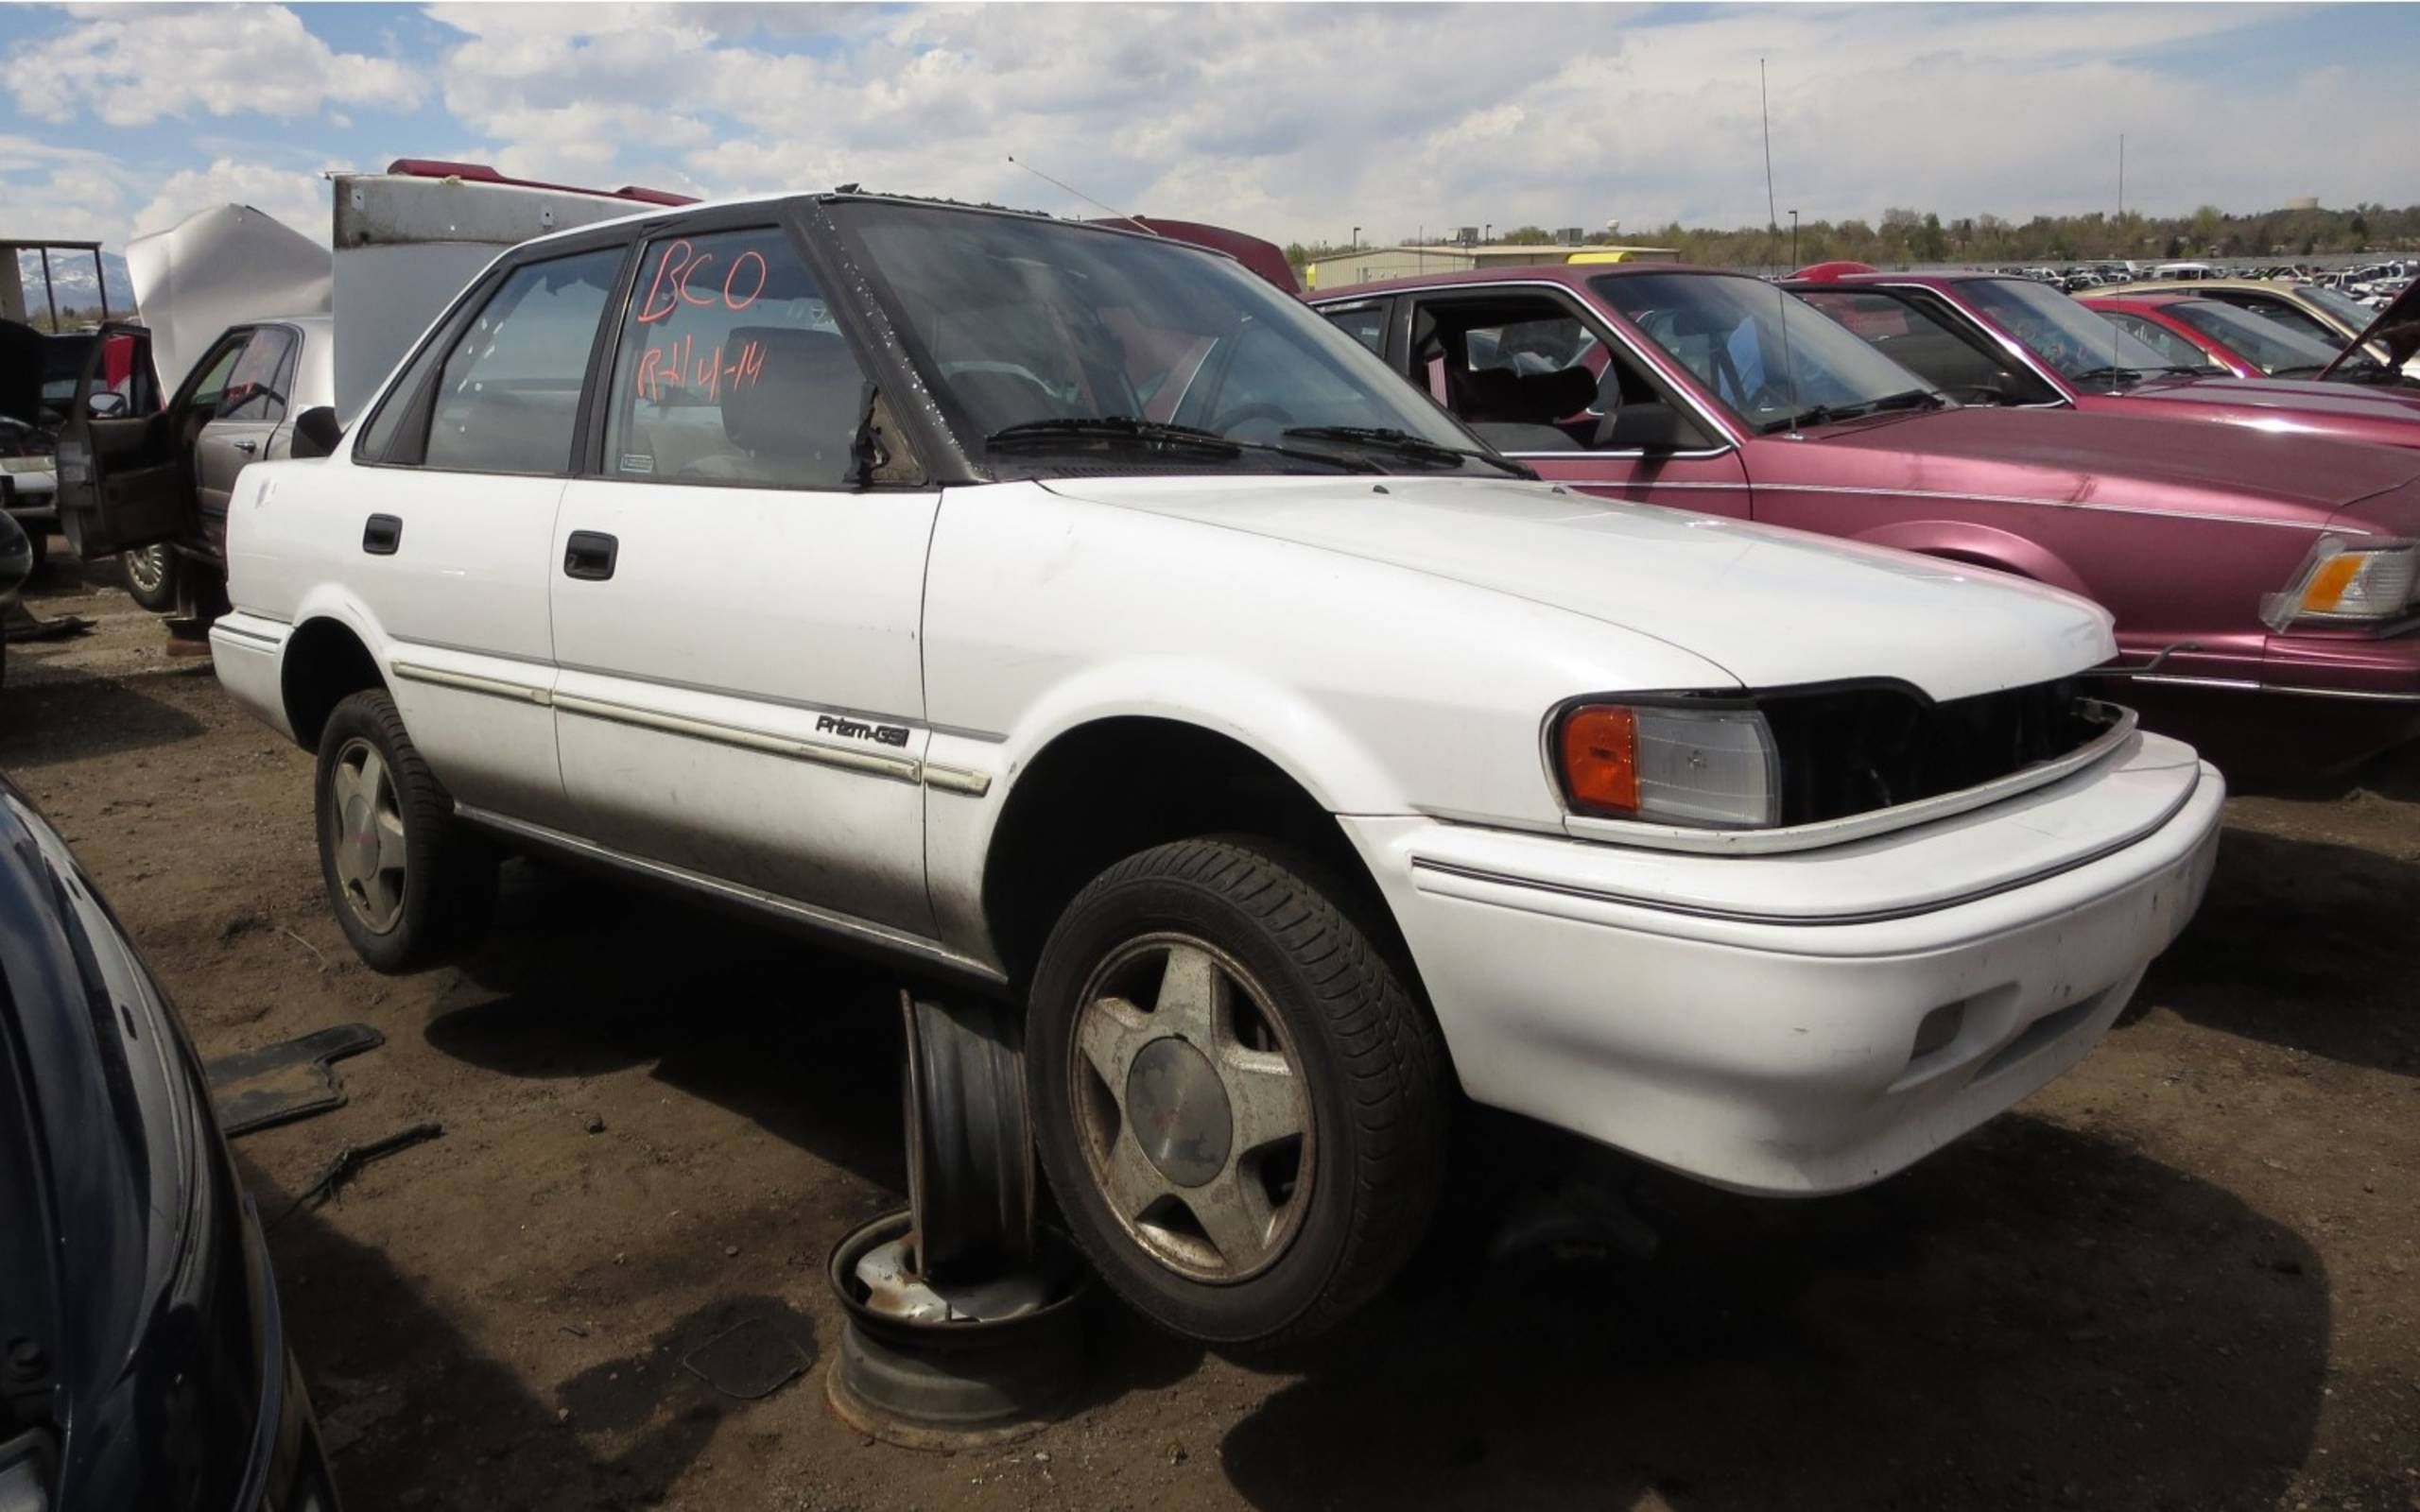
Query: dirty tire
(152,574)
(447,888)
(1371,1069)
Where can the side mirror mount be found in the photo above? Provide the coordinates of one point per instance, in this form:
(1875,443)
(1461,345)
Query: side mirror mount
(105,404)
(316,432)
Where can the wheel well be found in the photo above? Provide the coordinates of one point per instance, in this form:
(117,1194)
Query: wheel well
(1106,790)
(325,663)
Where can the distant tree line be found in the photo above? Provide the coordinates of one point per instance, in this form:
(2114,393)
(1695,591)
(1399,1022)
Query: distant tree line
(1905,236)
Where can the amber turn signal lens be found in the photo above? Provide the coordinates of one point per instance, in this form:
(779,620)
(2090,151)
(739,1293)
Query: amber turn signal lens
(1600,757)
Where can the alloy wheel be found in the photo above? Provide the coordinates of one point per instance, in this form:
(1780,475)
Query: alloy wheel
(368,839)
(1191,1108)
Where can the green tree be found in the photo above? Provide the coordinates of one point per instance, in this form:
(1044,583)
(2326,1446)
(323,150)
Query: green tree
(1528,236)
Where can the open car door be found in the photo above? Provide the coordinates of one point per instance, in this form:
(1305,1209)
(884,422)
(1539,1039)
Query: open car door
(121,480)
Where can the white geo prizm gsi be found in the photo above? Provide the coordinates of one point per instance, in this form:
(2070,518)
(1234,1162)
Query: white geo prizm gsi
(1070,613)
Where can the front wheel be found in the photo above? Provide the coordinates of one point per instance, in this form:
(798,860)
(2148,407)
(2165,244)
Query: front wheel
(152,574)
(1241,1110)
(407,880)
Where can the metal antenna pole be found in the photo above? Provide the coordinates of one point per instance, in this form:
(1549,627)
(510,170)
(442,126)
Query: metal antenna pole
(1772,228)
(1137,220)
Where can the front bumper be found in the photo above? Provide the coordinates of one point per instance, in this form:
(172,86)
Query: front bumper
(1803,1023)
(2316,705)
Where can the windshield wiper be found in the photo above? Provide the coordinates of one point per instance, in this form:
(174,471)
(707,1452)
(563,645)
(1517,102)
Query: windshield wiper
(1151,435)
(1402,443)
(2115,377)
(1826,414)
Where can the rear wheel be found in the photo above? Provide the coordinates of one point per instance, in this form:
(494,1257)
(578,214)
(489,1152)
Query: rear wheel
(152,574)
(1238,1104)
(408,880)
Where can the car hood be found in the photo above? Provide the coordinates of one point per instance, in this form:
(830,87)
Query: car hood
(2133,459)
(2335,401)
(1772,607)
(2397,329)
(23,352)
(217,267)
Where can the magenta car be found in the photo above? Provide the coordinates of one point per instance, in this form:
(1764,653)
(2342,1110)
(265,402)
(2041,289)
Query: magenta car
(1990,338)
(2263,585)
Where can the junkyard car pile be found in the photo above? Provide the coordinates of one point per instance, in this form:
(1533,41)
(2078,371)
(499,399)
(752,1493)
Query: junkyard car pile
(1305,712)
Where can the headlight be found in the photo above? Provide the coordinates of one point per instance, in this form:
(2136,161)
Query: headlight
(2346,582)
(1711,767)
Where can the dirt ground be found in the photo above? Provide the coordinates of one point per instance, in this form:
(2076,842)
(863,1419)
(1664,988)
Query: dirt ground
(2185,1276)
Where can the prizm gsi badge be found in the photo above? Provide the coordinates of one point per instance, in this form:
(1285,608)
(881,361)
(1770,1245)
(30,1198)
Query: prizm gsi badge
(859,729)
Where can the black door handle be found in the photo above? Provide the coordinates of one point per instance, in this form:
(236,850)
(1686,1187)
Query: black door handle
(382,535)
(590,554)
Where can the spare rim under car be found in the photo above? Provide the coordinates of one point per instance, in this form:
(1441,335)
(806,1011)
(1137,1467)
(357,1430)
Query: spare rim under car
(1193,1112)
(370,864)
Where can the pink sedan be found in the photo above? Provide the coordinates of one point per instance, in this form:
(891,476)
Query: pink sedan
(2264,585)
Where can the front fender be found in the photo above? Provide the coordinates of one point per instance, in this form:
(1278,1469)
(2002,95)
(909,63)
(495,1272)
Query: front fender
(1981,546)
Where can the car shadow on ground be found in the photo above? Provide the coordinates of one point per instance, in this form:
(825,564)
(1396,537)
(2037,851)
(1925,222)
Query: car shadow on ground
(2304,944)
(50,718)
(582,979)
(415,1415)
(2034,1317)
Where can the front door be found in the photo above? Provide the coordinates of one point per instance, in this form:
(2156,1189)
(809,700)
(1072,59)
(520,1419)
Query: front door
(1544,381)
(736,621)
(123,478)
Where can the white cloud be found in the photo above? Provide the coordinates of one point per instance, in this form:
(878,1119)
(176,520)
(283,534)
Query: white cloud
(1300,120)
(135,66)
(298,199)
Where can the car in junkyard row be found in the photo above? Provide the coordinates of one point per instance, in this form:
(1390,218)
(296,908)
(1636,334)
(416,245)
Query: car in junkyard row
(2313,310)
(1987,339)
(2232,342)
(1071,614)
(143,1353)
(2262,584)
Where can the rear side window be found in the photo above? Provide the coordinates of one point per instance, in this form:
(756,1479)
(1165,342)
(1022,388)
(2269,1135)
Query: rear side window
(253,390)
(732,370)
(509,393)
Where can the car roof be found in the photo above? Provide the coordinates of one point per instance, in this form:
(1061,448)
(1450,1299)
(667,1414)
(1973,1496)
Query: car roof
(2196,285)
(1571,275)
(850,193)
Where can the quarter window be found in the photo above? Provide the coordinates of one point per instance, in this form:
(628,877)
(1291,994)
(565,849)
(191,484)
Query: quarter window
(1365,323)
(509,394)
(731,369)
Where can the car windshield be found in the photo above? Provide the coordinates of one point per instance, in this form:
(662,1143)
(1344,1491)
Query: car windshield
(2356,316)
(1727,330)
(1045,338)
(2084,348)
(2268,345)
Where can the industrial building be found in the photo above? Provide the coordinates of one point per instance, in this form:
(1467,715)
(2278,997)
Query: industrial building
(1372,265)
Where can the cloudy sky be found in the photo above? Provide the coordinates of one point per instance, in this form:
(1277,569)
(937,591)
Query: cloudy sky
(1293,121)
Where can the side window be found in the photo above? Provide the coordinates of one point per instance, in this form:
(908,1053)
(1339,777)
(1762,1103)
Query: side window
(731,370)
(1528,376)
(252,391)
(1365,323)
(210,386)
(509,394)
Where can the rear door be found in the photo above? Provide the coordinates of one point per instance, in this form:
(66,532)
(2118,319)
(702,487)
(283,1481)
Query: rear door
(735,617)
(251,405)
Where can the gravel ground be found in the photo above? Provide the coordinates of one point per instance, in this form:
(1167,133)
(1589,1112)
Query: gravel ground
(2185,1276)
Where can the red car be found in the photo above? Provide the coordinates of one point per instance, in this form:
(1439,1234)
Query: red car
(2234,342)
(1984,337)
(2263,585)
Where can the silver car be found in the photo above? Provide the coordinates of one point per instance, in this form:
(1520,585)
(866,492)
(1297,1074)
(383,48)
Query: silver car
(171,468)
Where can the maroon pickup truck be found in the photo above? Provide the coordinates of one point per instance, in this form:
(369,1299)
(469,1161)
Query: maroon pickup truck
(2264,584)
